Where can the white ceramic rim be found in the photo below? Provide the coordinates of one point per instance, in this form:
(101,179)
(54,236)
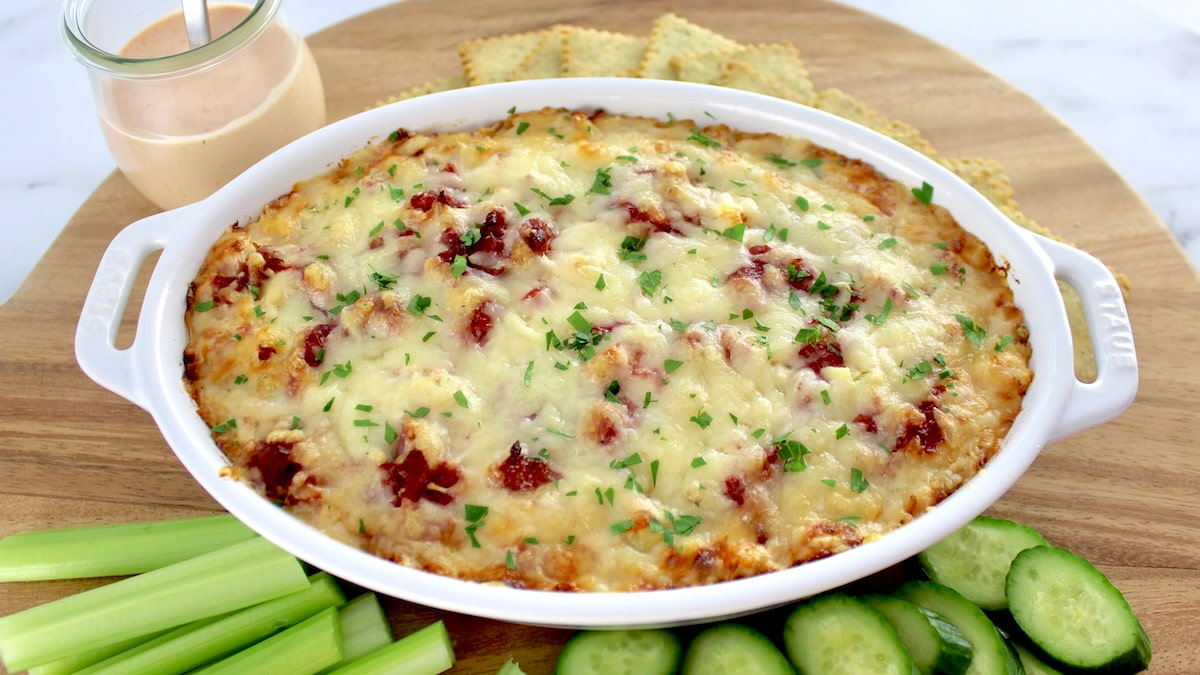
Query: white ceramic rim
(186,234)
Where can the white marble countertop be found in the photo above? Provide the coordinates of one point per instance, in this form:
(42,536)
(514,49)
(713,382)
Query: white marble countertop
(1125,74)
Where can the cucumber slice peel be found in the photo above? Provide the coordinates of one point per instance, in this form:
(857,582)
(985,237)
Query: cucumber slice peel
(1073,614)
(734,648)
(1032,664)
(990,652)
(616,652)
(937,646)
(974,560)
(841,634)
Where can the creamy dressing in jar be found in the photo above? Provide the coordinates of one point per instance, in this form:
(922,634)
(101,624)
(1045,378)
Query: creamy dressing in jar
(181,134)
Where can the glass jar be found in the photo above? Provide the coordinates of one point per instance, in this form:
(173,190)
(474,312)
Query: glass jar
(182,121)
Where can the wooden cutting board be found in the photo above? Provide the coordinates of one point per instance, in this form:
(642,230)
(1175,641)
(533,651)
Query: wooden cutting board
(1123,494)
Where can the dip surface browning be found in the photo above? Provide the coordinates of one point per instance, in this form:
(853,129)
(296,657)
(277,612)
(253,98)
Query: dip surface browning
(592,352)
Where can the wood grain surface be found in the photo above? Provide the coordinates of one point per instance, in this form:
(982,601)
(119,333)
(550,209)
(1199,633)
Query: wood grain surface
(1123,494)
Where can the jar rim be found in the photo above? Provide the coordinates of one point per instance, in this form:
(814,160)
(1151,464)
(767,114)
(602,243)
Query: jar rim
(75,11)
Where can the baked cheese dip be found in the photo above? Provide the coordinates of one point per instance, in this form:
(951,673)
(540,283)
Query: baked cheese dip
(590,352)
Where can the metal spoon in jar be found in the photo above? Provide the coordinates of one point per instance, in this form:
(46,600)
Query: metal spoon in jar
(195,17)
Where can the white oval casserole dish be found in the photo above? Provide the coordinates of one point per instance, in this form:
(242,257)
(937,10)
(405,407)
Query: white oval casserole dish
(149,372)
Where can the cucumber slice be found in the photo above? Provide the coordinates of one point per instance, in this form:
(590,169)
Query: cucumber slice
(840,634)
(616,652)
(975,559)
(1074,614)
(990,653)
(937,646)
(1031,663)
(734,648)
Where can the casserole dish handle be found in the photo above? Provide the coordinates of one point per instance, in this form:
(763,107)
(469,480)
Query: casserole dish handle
(1111,335)
(95,336)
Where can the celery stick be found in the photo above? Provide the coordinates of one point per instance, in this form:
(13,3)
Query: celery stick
(425,652)
(193,645)
(365,628)
(114,550)
(234,577)
(303,649)
(80,660)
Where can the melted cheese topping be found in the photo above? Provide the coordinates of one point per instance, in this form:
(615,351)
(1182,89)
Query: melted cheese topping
(594,352)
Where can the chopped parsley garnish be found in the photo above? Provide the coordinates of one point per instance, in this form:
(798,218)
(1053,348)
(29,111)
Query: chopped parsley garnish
(601,283)
(781,162)
(475,515)
(887,243)
(808,336)
(470,236)
(812,162)
(882,316)
(389,433)
(522,127)
(971,330)
(521,208)
(918,371)
(632,460)
(382,279)
(827,322)
(631,249)
(459,266)
(703,140)
(702,419)
(649,281)
(419,304)
(842,431)
(602,185)
(554,201)
(736,233)
(858,482)
(938,269)
(579,323)
(623,526)
(924,194)
(802,203)
(461,399)
(670,365)
(608,495)
(698,462)
(418,413)
(791,453)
